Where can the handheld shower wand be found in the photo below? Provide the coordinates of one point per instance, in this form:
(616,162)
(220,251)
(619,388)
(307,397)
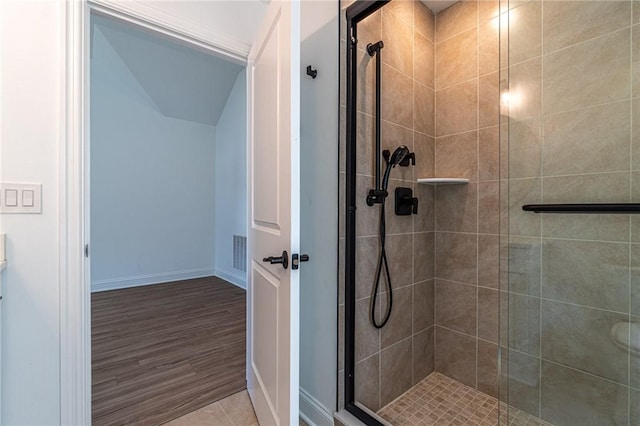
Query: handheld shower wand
(392,160)
(379,194)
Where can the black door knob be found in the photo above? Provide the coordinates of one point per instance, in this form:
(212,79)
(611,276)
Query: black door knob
(283,260)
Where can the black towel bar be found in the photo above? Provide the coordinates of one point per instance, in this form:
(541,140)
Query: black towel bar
(603,208)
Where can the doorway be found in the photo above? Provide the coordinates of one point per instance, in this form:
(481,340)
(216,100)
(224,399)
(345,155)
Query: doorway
(319,395)
(167,223)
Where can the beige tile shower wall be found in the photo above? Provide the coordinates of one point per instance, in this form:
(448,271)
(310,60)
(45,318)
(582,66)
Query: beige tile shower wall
(573,137)
(391,360)
(467,216)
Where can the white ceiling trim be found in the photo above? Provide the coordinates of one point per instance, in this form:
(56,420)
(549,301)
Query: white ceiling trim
(141,14)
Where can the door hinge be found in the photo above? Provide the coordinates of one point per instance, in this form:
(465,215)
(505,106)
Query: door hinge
(86,250)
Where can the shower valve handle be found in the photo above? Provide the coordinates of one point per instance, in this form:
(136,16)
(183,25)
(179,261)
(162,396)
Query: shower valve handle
(283,260)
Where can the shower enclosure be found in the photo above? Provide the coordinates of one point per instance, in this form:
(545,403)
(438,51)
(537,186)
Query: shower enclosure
(573,300)
(505,310)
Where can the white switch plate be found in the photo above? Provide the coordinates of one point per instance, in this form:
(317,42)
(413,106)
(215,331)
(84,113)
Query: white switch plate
(10,197)
(29,198)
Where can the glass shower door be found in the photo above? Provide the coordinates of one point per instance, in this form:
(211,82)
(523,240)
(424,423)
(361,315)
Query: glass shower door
(571,281)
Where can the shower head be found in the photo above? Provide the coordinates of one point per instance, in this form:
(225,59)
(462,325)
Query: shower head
(398,155)
(392,160)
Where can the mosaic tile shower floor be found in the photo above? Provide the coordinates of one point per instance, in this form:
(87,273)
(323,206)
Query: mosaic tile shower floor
(440,400)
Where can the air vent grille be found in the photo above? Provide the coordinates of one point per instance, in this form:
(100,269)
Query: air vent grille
(240,253)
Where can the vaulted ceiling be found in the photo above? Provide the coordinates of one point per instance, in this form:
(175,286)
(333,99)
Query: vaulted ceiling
(182,82)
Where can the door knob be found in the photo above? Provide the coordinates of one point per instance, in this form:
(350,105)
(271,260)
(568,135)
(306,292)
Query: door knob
(295,261)
(283,260)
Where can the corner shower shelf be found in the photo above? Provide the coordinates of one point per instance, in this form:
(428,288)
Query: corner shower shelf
(443,181)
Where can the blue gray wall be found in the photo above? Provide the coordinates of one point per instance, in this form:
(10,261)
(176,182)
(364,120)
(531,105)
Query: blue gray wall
(152,184)
(231,181)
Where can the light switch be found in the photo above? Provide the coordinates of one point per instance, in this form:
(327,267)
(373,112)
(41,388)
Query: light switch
(27,198)
(11,197)
(20,198)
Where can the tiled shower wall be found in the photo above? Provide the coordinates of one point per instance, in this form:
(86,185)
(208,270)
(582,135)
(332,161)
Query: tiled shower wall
(573,137)
(391,360)
(440,98)
(467,216)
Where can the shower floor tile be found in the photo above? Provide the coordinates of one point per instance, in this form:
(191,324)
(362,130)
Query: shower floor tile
(440,400)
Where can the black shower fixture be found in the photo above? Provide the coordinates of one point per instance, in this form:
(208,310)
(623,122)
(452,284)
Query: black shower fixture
(410,158)
(377,195)
(400,157)
(392,160)
(373,48)
(406,203)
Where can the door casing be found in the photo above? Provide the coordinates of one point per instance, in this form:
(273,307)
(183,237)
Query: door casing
(74,273)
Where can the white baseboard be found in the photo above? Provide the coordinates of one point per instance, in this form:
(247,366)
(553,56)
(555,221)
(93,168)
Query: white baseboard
(239,280)
(313,412)
(140,280)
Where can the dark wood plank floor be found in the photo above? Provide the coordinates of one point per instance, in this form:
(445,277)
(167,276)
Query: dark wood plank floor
(162,351)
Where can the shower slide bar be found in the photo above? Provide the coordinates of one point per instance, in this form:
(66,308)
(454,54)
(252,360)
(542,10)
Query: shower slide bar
(595,208)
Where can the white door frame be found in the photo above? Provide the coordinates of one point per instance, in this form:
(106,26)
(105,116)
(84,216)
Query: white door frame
(75,285)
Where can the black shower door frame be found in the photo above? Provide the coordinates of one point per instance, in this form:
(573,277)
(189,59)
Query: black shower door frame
(354,14)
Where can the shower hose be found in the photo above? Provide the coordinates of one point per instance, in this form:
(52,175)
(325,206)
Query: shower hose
(382,264)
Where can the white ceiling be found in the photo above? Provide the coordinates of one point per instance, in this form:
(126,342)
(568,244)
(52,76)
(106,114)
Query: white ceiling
(236,20)
(183,83)
(438,5)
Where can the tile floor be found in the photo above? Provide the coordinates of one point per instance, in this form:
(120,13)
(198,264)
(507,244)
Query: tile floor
(234,410)
(437,400)
(442,401)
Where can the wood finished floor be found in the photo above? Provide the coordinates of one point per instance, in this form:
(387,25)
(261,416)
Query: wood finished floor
(162,351)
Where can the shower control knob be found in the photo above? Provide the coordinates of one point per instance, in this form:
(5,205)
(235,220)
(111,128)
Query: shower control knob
(295,260)
(283,260)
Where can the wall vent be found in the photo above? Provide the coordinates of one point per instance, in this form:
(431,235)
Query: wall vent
(240,253)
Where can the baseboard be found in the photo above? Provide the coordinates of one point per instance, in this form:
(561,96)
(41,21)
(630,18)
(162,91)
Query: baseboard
(234,278)
(141,280)
(313,412)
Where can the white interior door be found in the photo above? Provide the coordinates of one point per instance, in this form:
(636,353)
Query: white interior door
(274,200)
